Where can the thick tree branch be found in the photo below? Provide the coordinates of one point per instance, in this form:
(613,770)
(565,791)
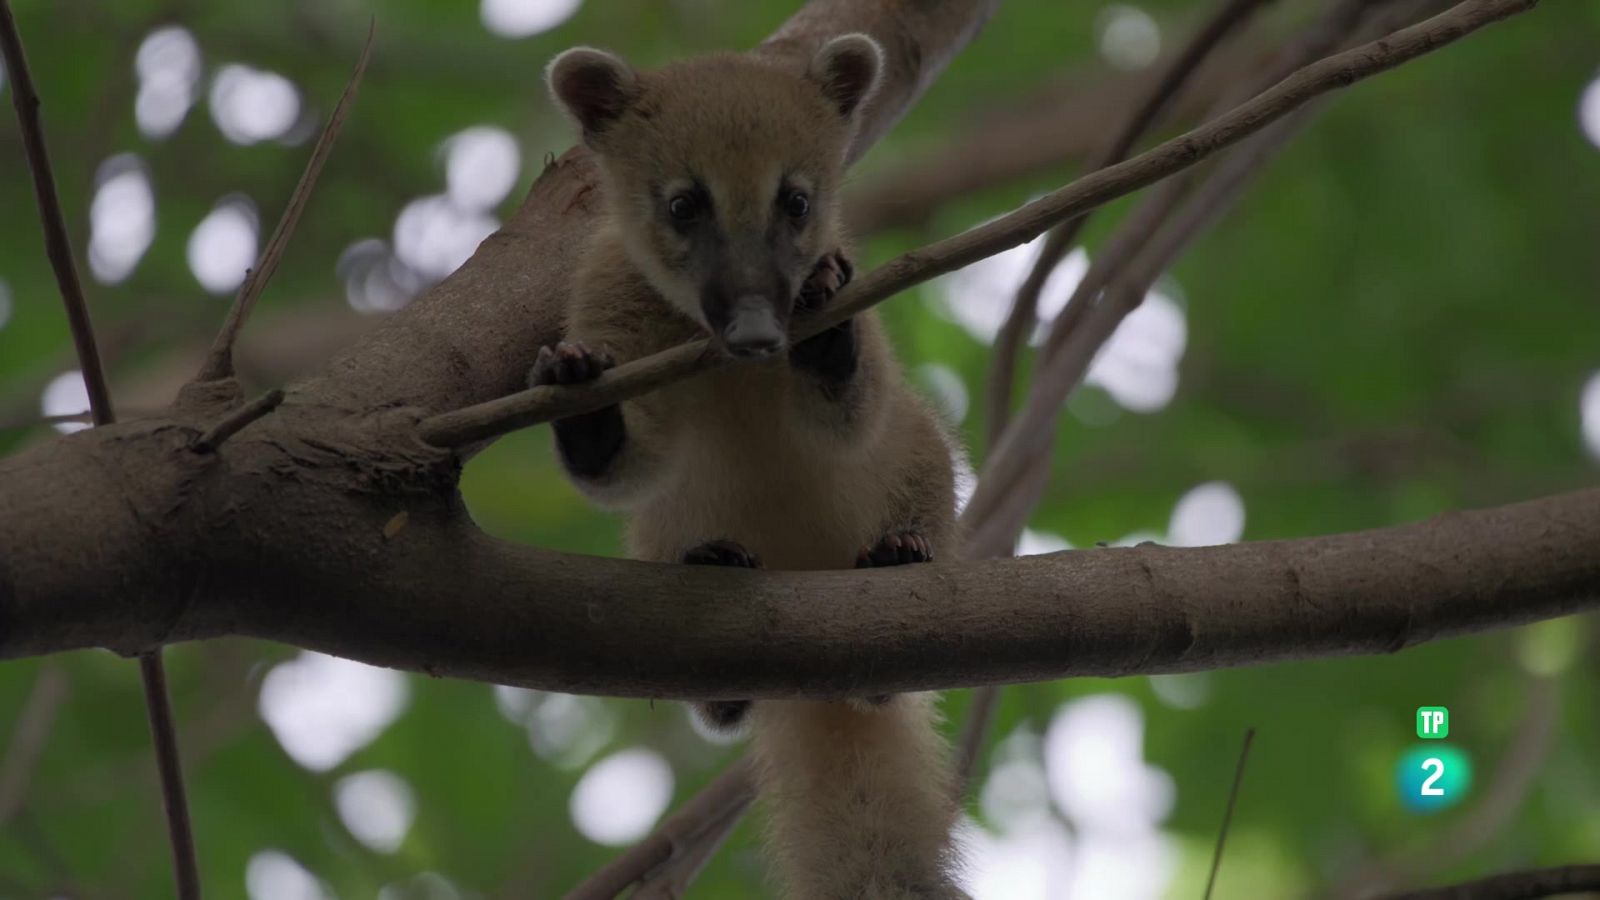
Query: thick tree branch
(518,615)
(482,421)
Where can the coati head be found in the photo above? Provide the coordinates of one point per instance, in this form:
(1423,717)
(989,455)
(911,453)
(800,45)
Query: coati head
(722,173)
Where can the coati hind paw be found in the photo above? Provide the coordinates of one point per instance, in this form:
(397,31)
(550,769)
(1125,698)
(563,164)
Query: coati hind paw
(722,553)
(722,716)
(829,277)
(897,548)
(568,363)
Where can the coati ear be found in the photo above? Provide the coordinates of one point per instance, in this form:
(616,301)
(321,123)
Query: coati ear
(593,86)
(847,70)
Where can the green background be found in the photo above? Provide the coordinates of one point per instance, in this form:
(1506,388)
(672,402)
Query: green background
(1398,320)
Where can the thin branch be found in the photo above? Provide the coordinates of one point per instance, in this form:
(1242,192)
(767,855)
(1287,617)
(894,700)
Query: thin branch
(1524,885)
(219,361)
(980,717)
(29,736)
(671,880)
(1010,489)
(25,97)
(164,731)
(1007,489)
(1020,320)
(681,844)
(1331,31)
(486,420)
(157,702)
(1227,815)
(237,420)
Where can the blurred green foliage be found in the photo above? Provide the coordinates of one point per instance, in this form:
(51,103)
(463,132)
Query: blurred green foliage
(1398,320)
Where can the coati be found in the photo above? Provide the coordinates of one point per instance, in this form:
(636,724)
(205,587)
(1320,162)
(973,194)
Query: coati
(721,177)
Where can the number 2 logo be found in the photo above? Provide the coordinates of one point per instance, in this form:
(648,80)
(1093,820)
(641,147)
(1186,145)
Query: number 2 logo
(1436,765)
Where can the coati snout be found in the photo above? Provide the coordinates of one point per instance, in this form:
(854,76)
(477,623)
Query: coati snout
(751,326)
(749,315)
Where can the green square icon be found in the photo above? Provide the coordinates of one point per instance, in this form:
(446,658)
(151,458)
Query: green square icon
(1433,722)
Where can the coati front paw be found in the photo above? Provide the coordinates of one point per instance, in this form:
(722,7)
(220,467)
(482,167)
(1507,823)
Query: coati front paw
(568,363)
(588,442)
(830,355)
(722,553)
(897,548)
(831,273)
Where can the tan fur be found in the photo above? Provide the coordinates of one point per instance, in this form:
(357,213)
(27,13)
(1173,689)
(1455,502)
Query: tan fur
(859,799)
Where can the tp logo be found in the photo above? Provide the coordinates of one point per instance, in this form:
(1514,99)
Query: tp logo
(1433,723)
(1433,776)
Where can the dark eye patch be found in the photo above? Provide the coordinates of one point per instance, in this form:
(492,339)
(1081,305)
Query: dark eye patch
(688,207)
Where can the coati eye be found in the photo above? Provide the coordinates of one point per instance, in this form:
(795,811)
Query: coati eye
(683,207)
(795,204)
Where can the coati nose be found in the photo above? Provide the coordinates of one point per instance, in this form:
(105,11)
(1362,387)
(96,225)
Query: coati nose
(753,330)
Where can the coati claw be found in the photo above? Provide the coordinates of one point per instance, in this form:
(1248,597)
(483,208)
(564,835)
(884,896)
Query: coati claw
(722,553)
(568,363)
(832,272)
(897,548)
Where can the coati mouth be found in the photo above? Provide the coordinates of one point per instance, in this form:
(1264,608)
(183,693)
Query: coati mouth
(753,329)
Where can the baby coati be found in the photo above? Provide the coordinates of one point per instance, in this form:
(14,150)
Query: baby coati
(721,176)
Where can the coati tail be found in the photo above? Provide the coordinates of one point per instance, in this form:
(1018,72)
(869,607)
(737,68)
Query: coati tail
(860,802)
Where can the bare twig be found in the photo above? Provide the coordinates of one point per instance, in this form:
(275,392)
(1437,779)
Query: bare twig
(237,420)
(1024,308)
(25,97)
(486,420)
(157,702)
(1020,320)
(671,879)
(163,730)
(682,843)
(1524,885)
(28,738)
(980,717)
(1007,492)
(219,361)
(1227,815)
